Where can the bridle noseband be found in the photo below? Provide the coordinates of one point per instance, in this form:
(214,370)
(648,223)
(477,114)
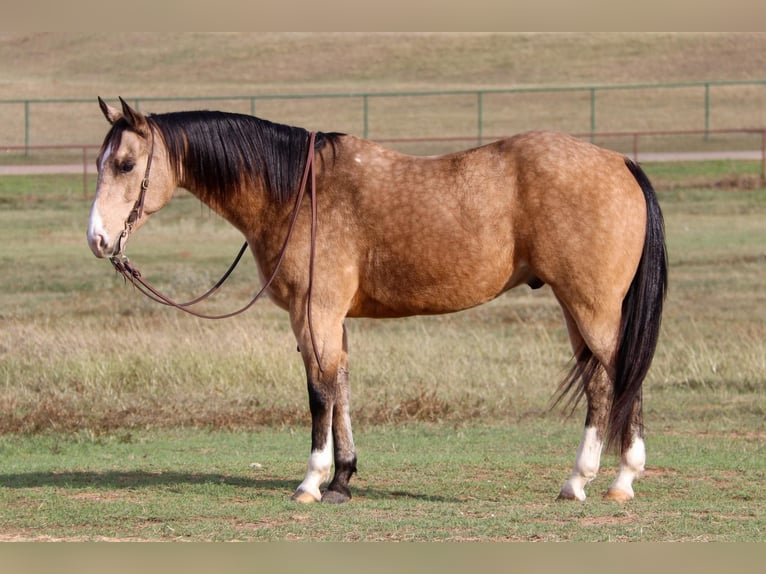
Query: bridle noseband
(121,263)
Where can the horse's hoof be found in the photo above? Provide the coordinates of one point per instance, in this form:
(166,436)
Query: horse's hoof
(567,493)
(618,495)
(567,496)
(335,497)
(304,497)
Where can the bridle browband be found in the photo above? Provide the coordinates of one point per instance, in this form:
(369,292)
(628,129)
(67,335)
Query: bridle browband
(121,263)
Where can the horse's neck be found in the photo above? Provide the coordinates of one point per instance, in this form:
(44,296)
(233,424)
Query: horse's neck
(249,210)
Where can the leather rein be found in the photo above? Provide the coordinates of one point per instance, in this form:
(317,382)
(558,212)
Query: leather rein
(132,274)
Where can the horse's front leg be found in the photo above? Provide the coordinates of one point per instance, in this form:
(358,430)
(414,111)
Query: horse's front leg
(343,439)
(328,390)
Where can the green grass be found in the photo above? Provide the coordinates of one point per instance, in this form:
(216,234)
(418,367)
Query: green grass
(416,482)
(716,174)
(122,420)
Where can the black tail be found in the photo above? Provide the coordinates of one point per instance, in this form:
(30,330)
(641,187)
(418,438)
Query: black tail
(639,328)
(641,316)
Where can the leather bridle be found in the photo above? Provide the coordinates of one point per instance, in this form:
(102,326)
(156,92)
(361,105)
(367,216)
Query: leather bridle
(121,263)
(138,206)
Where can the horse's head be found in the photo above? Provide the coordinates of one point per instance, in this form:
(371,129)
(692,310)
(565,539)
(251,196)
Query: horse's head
(134,179)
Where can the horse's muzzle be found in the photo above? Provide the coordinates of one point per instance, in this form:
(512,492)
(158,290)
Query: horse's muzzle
(98,245)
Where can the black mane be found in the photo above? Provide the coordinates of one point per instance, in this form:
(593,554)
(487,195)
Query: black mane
(219,152)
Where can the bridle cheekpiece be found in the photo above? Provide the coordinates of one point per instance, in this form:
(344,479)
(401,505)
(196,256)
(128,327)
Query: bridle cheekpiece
(138,207)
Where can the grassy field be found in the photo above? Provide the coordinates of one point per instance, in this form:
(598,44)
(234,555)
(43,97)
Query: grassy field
(124,420)
(417,483)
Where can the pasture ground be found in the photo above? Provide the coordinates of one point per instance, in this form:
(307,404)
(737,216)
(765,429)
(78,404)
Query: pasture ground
(126,421)
(419,482)
(120,420)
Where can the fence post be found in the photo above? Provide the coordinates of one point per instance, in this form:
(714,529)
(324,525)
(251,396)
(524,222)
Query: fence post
(480,118)
(26,127)
(707,111)
(84,172)
(252,105)
(592,113)
(366,107)
(763,156)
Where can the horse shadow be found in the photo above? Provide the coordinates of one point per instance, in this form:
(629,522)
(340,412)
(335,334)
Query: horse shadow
(137,479)
(123,479)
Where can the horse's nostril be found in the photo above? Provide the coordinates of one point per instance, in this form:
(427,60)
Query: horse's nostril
(98,244)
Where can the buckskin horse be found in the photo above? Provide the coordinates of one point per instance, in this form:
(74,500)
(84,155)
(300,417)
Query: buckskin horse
(384,234)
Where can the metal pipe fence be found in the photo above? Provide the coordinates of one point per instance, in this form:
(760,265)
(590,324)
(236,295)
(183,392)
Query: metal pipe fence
(700,105)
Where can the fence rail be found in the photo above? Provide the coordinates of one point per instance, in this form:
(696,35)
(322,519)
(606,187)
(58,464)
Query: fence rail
(486,107)
(88,167)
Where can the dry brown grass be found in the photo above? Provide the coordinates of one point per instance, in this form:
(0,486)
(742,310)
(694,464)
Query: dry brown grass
(44,65)
(80,350)
(75,65)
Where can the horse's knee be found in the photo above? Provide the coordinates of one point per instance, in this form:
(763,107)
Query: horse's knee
(321,398)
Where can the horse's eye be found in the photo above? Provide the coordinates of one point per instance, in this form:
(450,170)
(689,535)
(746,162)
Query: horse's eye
(126,167)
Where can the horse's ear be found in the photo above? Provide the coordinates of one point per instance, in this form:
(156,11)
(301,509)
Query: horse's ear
(136,120)
(110,113)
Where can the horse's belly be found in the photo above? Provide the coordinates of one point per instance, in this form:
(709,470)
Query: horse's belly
(376,309)
(401,293)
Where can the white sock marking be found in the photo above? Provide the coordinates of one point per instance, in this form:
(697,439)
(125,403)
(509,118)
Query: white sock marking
(320,464)
(631,467)
(586,465)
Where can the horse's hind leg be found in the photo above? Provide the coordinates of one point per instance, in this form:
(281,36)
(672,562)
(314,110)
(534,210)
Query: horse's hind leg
(633,458)
(594,339)
(588,458)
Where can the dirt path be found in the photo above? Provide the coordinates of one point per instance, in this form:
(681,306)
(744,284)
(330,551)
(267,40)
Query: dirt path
(45,169)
